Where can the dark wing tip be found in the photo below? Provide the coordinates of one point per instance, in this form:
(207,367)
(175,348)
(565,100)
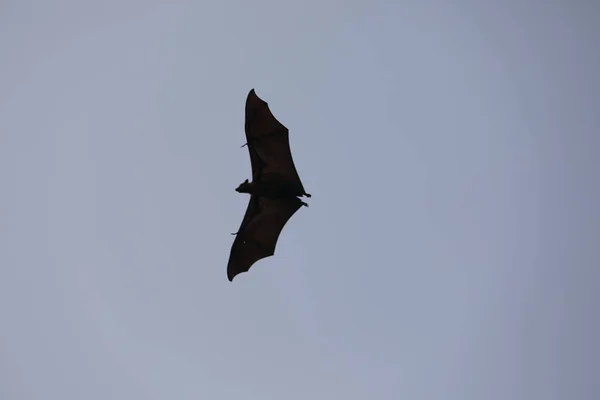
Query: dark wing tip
(251,99)
(254,101)
(232,272)
(231,275)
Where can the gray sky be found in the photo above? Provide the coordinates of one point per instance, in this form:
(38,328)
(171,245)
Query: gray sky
(448,251)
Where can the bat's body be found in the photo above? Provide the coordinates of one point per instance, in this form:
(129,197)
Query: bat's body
(274,191)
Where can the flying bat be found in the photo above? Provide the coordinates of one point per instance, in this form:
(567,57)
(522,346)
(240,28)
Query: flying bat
(274,191)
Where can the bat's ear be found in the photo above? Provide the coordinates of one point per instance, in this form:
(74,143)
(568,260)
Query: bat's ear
(246,181)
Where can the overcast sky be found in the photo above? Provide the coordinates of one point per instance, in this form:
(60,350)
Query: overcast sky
(449,251)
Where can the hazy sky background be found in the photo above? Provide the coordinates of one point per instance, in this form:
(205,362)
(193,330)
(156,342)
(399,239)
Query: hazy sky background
(449,250)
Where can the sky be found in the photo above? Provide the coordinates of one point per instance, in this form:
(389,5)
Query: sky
(449,250)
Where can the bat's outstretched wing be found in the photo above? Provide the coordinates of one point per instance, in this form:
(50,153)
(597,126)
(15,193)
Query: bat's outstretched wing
(269,145)
(257,237)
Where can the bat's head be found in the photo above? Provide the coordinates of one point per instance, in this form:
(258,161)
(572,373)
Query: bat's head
(244,187)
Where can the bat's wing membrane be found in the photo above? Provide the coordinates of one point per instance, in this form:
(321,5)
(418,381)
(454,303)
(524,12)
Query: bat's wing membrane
(257,238)
(269,144)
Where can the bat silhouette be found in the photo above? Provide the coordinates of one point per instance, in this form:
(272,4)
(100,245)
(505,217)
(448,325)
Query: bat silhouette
(274,191)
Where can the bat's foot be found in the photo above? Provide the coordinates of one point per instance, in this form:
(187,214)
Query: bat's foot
(304,204)
(307,195)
